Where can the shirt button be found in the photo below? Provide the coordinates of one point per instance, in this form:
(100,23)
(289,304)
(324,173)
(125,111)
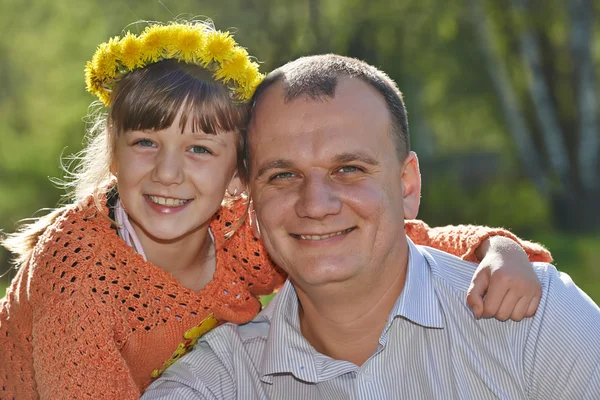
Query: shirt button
(366,375)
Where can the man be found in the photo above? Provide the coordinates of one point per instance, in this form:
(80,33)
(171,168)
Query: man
(366,313)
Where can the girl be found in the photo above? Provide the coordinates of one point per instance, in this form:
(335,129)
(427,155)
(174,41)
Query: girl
(116,286)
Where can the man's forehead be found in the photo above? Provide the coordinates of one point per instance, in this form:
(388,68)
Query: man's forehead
(315,125)
(351,94)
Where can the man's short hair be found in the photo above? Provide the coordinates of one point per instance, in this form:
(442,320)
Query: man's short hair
(317,76)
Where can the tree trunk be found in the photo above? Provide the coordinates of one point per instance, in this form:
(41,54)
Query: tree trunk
(578,214)
(546,112)
(581,21)
(528,154)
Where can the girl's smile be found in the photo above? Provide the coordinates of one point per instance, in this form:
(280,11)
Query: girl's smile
(167,205)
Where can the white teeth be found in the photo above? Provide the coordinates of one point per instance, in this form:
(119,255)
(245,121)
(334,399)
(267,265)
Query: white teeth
(167,201)
(322,237)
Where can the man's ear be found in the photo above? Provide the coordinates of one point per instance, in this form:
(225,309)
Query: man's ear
(411,186)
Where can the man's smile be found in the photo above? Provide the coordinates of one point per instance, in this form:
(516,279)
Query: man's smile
(317,236)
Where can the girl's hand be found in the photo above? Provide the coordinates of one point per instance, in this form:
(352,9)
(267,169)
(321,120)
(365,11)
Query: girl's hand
(504,285)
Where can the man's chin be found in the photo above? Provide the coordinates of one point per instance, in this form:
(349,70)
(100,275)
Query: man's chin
(323,274)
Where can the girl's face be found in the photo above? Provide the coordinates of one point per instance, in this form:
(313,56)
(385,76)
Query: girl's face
(171,183)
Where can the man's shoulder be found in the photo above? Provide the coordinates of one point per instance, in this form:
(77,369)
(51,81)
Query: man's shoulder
(448,269)
(458,273)
(228,335)
(563,304)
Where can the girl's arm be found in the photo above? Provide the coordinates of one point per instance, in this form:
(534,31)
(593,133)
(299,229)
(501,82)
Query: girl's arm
(464,240)
(504,285)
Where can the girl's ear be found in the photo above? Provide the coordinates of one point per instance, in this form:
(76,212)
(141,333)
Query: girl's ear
(235,187)
(113,168)
(253,220)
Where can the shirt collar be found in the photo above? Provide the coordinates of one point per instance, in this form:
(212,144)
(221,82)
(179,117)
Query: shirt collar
(418,301)
(287,351)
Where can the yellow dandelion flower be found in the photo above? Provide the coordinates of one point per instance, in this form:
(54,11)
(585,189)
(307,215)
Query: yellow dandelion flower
(131,52)
(104,97)
(89,76)
(93,85)
(104,62)
(248,74)
(234,67)
(153,43)
(246,91)
(171,37)
(189,42)
(114,47)
(219,46)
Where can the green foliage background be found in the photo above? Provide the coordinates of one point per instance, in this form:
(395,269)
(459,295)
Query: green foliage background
(471,172)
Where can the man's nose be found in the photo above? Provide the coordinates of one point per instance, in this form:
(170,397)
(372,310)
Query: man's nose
(169,167)
(317,198)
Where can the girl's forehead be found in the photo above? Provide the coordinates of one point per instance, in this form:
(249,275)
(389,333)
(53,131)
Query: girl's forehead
(155,99)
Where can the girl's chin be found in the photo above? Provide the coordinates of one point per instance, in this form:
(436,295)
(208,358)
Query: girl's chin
(165,235)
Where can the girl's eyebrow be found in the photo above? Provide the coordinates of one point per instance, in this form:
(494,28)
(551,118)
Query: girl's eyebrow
(208,136)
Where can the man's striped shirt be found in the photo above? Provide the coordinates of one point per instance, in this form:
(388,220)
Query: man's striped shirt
(431,348)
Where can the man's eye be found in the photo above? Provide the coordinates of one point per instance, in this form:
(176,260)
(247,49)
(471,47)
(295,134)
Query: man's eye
(282,175)
(349,168)
(144,143)
(200,150)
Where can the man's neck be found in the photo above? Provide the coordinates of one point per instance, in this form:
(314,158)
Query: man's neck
(345,323)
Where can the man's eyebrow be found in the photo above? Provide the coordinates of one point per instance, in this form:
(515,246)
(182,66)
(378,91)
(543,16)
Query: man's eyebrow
(275,164)
(357,156)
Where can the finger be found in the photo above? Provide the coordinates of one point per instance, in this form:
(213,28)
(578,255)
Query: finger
(477,291)
(507,306)
(493,299)
(520,310)
(533,305)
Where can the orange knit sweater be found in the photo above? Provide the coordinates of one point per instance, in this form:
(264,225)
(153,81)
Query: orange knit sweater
(88,318)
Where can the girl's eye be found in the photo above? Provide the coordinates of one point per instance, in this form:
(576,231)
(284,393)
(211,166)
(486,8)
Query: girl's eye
(200,150)
(144,143)
(282,175)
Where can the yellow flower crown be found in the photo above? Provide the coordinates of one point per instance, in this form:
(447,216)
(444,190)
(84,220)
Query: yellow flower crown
(192,43)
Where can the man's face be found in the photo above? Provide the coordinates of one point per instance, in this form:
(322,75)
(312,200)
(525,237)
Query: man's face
(329,190)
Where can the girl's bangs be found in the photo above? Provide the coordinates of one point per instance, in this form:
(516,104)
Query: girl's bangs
(150,99)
